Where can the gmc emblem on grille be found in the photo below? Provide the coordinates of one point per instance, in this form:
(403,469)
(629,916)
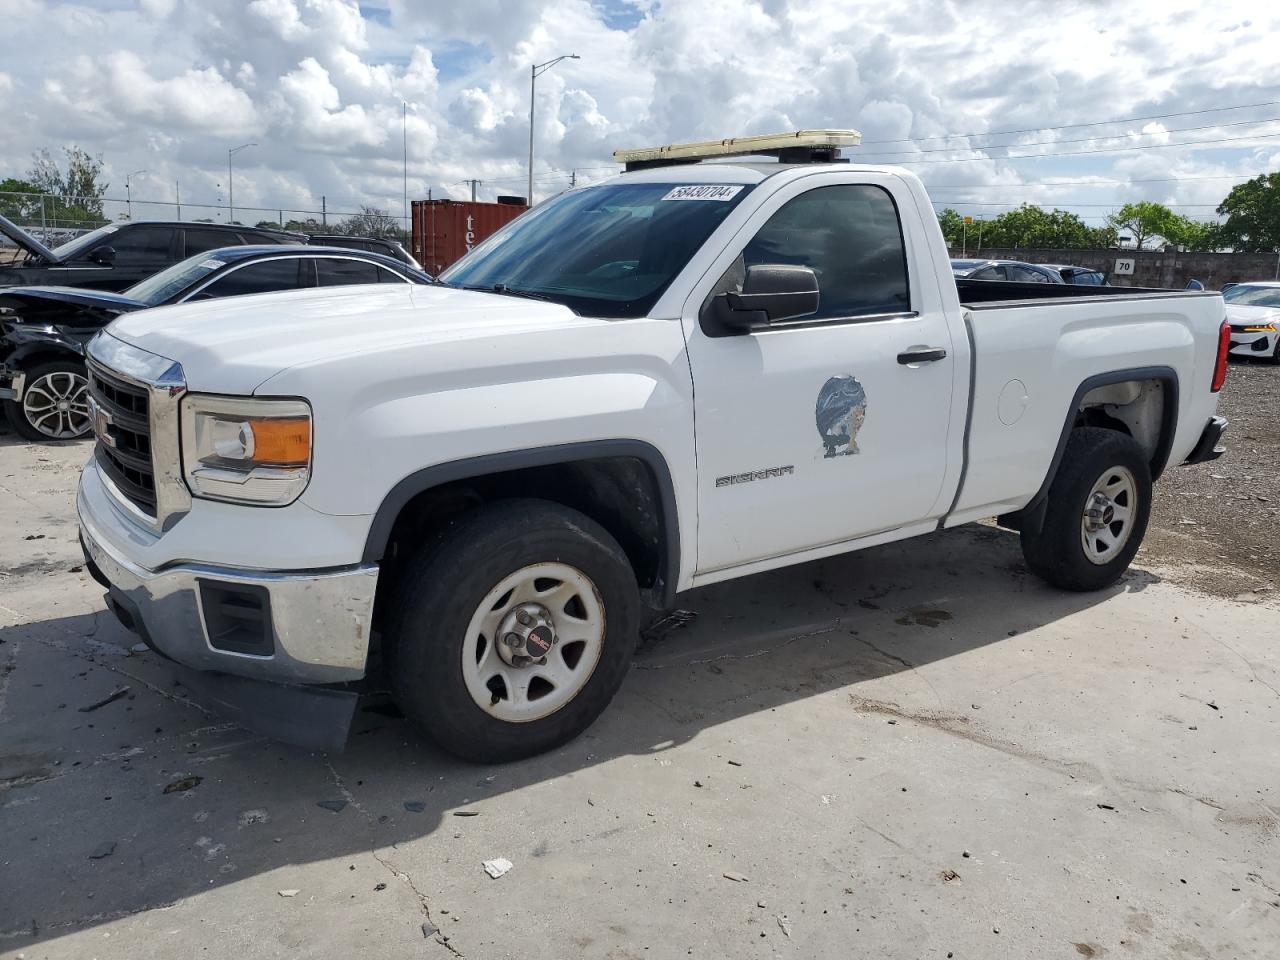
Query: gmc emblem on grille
(101,423)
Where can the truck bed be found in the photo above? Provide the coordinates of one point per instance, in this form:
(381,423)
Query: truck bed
(979,294)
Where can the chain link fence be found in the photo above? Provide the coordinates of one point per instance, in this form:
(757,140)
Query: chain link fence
(56,219)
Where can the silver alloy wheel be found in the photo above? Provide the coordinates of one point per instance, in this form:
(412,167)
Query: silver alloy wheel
(56,405)
(518,688)
(1108,515)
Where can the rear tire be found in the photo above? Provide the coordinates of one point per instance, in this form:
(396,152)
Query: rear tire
(54,403)
(1098,507)
(457,598)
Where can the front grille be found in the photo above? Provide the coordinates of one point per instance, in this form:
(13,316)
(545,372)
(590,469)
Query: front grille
(126,456)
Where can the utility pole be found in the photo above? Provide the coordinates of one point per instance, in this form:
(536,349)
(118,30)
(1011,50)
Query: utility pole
(128,194)
(475,184)
(177,193)
(404,133)
(324,213)
(536,70)
(573,178)
(231,187)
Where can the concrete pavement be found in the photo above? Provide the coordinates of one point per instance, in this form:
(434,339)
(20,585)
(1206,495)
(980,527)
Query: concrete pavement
(916,751)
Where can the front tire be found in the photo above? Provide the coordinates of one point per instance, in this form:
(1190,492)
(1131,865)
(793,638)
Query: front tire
(538,572)
(1098,507)
(1275,354)
(54,404)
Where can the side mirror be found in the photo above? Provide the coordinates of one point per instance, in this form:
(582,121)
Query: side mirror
(103,255)
(771,293)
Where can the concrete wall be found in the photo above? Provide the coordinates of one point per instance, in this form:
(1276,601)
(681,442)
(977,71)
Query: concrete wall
(1152,268)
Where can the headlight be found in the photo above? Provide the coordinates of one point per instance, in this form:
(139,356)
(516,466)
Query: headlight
(246,450)
(1260,328)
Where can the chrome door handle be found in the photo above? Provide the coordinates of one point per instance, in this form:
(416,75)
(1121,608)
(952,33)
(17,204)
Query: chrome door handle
(925,355)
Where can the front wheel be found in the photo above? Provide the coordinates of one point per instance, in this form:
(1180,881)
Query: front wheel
(511,632)
(1275,354)
(54,404)
(1097,512)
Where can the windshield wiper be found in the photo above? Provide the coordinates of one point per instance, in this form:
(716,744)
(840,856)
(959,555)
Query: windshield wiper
(504,290)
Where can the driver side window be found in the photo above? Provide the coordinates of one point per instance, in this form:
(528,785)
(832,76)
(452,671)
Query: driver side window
(850,236)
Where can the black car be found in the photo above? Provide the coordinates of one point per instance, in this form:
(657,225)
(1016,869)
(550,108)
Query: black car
(120,254)
(381,245)
(1082,276)
(43,330)
(1014,271)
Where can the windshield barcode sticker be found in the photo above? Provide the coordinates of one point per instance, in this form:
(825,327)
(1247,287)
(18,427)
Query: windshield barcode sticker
(703,191)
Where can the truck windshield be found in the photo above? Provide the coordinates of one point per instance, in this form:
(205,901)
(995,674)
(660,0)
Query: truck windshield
(606,251)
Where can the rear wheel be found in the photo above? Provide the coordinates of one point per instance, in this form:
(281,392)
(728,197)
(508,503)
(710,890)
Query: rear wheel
(54,404)
(511,632)
(1097,512)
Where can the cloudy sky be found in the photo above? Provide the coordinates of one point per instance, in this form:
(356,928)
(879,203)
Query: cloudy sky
(167,86)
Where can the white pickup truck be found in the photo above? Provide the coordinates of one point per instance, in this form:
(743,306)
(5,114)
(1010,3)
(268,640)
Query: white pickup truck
(684,374)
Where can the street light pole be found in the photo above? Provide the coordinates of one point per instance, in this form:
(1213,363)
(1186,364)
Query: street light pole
(535,71)
(231,189)
(404,133)
(128,193)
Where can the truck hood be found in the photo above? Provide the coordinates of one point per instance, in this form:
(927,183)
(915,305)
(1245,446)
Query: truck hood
(26,241)
(235,344)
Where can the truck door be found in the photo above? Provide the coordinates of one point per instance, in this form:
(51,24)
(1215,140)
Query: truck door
(833,426)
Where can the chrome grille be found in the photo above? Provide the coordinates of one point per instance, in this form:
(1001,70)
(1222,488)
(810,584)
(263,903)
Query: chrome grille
(134,400)
(123,428)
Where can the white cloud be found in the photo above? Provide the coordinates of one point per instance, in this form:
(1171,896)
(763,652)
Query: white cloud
(170,85)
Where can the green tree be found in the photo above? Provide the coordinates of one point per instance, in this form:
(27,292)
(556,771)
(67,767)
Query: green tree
(19,200)
(369,222)
(1188,234)
(1144,220)
(1035,227)
(76,192)
(952,225)
(1252,210)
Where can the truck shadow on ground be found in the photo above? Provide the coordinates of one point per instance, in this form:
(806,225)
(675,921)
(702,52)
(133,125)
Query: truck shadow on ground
(148,801)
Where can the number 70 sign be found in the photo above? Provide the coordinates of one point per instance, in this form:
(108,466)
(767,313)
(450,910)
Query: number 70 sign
(1124,268)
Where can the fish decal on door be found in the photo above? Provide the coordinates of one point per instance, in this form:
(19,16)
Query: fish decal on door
(840,410)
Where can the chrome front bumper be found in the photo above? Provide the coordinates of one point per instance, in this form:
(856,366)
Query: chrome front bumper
(317,622)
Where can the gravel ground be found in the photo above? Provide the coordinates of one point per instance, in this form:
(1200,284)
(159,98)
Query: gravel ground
(1218,523)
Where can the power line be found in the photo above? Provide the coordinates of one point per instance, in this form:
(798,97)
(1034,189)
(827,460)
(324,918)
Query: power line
(1076,126)
(1041,143)
(1089,182)
(997,203)
(1081,153)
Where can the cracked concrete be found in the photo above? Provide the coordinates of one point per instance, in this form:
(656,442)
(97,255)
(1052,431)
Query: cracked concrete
(892,782)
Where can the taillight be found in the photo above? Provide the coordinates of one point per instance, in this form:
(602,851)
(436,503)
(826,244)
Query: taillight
(1220,368)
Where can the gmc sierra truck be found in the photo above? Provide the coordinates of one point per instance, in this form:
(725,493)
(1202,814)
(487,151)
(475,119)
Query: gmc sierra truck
(694,371)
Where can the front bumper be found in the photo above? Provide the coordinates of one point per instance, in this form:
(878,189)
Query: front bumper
(1210,445)
(1259,344)
(250,637)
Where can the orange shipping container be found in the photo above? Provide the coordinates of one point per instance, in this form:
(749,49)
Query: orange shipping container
(444,230)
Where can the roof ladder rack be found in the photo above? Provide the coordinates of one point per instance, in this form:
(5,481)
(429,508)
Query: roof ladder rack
(802,146)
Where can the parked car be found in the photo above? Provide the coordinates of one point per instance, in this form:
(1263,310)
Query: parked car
(43,329)
(120,254)
(390,248)
(1012,271)
(1253,310)
(677,376)
(1086,276)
